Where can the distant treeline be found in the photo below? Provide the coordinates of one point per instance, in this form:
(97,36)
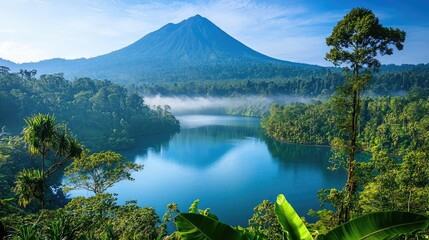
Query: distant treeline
(102,114)
(135,70)
(321,81)
(228,71)
(397,124)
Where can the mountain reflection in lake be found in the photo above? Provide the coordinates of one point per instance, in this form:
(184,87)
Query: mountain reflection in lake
(226,163)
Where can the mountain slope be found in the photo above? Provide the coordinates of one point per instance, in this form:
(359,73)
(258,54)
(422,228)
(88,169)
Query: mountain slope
(194,41)
(7,63)
(190,50)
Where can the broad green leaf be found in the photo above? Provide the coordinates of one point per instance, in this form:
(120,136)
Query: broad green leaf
(199,227)
(380,225)
(290,221)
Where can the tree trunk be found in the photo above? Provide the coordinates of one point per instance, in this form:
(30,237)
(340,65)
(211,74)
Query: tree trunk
(42,191)
(351,185)
(409,201)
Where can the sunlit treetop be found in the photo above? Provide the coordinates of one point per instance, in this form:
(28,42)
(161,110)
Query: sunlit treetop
(359,37)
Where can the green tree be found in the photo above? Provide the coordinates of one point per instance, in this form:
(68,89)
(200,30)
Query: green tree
(91,213)
(99,171)
(264,221)
(29,185)
(356,40)
(43,136)
(171,212)
(12,150)
(134,222)
(39,134)
(399,186)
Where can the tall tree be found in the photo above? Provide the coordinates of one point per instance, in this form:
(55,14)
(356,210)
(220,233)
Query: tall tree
(44,138)
(39,134)
(356,40)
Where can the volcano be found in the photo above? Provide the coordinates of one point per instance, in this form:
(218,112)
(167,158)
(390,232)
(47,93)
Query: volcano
(193,49)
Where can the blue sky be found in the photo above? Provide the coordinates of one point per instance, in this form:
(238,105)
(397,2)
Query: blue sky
(294,30)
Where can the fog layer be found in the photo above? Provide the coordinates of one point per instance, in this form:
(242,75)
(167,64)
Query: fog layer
(181,105)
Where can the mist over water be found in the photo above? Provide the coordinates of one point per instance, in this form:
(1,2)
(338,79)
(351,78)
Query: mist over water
(181,105)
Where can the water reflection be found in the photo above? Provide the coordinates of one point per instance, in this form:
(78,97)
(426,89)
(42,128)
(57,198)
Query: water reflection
(193,121)
(154,143)
(224,162)
(204,146)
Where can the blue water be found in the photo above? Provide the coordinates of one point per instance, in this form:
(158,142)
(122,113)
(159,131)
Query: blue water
(226,163)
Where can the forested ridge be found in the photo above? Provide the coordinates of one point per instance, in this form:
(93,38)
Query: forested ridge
(102,114)
(391,80)
(397,123)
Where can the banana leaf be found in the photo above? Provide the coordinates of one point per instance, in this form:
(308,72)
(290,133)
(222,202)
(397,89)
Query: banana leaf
(290,221)
(199,227)
(380,225)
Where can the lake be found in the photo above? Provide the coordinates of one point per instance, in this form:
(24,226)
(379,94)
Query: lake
(227,163)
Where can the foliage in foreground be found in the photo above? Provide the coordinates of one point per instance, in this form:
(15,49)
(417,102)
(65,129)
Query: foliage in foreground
(97,217)
(379,225)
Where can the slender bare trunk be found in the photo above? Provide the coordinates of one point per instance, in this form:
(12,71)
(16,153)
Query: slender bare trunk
(351,184)
(42,191)
(409,201)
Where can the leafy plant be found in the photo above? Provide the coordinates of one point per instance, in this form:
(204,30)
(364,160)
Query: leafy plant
(291,223)
(26,232)
(196,226)
(264,221)
(29,185)
(379,225)
(60,229)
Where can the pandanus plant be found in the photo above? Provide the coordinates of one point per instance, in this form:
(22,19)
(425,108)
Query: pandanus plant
(44,136)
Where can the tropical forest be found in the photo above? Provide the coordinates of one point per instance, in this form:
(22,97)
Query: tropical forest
(256,120)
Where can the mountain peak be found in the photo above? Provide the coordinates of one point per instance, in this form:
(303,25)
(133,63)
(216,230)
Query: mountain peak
(197,16)
(194,43)
(197,19)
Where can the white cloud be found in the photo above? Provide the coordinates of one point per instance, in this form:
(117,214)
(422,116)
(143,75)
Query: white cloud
(18,50)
